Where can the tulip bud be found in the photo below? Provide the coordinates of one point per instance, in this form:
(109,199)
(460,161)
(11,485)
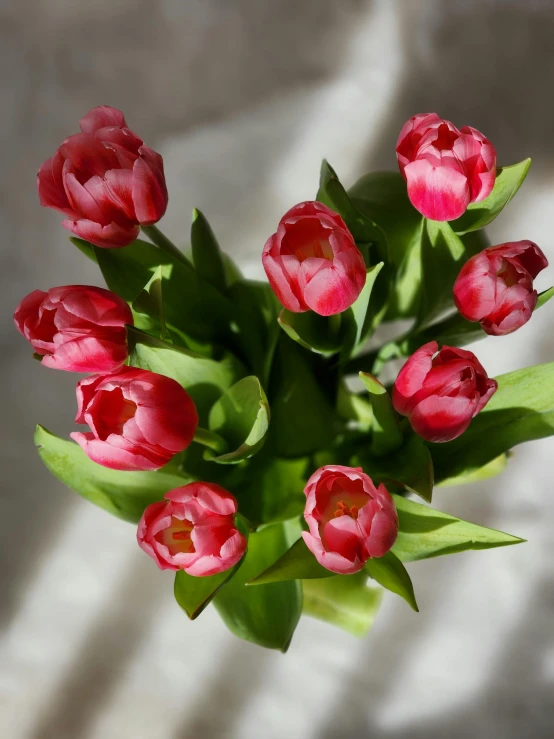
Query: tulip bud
(105,180)
(349,519)
(446,168)
(76,328)
(312,262)
(193,530)
(495,287)
(139,419)
(441,391)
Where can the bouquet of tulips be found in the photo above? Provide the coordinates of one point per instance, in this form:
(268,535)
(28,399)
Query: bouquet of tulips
(243,425)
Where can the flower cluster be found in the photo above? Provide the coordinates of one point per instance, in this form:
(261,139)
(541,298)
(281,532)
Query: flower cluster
(193,352)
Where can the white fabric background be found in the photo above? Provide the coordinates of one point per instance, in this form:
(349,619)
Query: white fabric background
(243,98)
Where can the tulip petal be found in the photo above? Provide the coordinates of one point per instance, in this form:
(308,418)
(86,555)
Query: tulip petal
(119,188)
(279,278)
(100,117)
(111,236)
(82,201)
(112,457)
(148,188)
(475,288)
(330,560)
(440,193)
(342,535)
(211,497)
(384,530)
(336,286)
(51,191)
(444,418)
(95,305)
(412,376)
(85,156)
(87,354)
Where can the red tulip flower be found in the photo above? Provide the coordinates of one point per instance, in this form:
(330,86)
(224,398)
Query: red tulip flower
(139,420)
(495,287)
(77,328)
(105,180)
(193,530)
(349,519)
(441,391)
(446,168)
(312,261)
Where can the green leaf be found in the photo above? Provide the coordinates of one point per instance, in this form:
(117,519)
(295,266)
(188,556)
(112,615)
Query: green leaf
(125,494)
(491,469)
(206,254)
(256,309)
(344,601)
(319,334)
(332,194)
(361,318)
(544,297)
(508,181)
(266,615)
(425,532)
(85,247)
(389,572)
(522,409)
(409,466)
(147,307)
(383,197)
(303,420)
(442,256)
(386,435)
(354,407)
(297,563)
(191,305)
(204,379)
(193,594)
(241,417)
(452,331)
(270,490)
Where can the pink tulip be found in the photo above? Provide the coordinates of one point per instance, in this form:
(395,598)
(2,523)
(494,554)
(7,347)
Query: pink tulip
(495,287)
(193,530)
(350,520)
(312,262)
(446,168)
(139,420)
(105,180)
(77,328)
(441,391)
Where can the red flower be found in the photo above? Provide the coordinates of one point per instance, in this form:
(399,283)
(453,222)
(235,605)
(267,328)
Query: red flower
(495,287)
(312,262)
(77,328)
(139,419)
(350,520)
(446,168)
(193,530)
(105,180)
(441,391)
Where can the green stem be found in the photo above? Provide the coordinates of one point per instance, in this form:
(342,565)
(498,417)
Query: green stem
(163,243)
(211,440)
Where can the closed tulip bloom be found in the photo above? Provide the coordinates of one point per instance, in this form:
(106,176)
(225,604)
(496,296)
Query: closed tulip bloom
(446,168)
(349,519)
(495,287)
(139,420)
(105,180)
(312,261)
(77,328)
(193,530)
(441,391)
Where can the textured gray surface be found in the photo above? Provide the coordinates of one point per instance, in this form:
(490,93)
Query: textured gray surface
(243,98)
